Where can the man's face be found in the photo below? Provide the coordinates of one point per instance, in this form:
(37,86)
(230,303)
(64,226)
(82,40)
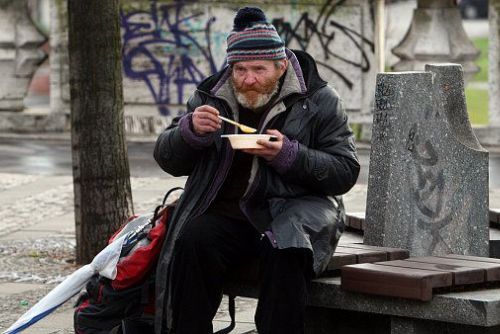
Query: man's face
(256,81)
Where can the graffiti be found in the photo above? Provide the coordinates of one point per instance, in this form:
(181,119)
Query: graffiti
(171,47)
(381,125)
(429,190)
(385,96)
(410,143)
(162,48)
(325,29)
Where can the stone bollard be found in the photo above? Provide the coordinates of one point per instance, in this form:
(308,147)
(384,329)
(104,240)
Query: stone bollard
(428,178)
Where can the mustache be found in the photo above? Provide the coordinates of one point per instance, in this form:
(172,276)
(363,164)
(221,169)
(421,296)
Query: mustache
(248,89)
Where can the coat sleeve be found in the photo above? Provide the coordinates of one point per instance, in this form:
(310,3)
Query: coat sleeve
(177,149)
(330,164)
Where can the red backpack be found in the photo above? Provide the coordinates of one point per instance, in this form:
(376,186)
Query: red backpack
(126,303)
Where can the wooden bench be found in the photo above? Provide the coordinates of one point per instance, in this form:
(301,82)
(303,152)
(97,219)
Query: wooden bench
(418,277)
(494,215)
(433,306)
(355,221)
(345,254)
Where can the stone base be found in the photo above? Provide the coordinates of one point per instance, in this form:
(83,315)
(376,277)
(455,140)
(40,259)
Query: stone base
(33,120)
(488,135)
(12,104)
(143,121)
(327,321)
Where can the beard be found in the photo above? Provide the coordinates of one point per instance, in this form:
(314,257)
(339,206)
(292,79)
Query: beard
(255,97)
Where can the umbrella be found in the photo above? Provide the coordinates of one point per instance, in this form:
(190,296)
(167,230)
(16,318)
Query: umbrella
(103,263)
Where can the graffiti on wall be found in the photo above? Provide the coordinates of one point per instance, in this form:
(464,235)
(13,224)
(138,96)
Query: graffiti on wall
(429,194)
(173,47)
(163,48)
(326,30)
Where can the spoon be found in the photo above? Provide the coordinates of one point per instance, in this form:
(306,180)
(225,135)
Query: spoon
(243,128)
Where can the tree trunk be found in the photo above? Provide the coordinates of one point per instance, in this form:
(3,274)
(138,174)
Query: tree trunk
(101,176)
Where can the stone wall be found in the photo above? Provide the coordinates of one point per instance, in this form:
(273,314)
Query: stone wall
(169,47)
(20,54)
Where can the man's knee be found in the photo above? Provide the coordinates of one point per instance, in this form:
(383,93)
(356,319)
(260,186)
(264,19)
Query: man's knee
(196,235)
(287,260)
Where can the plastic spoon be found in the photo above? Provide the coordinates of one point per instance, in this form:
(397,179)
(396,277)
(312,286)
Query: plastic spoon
(244,128)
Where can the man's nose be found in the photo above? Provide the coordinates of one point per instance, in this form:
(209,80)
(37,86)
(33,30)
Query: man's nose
(249,79)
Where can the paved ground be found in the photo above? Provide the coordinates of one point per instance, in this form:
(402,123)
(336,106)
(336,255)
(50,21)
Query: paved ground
(37,245)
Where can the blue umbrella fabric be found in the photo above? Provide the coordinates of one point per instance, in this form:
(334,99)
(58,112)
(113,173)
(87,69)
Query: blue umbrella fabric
(103,263)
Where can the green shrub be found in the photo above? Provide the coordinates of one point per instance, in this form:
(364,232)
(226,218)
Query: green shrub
(477,105)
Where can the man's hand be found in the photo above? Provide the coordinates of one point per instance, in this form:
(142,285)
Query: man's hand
(270,148)
(205,120)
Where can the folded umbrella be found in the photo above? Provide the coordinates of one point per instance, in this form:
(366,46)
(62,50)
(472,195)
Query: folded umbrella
(103,263)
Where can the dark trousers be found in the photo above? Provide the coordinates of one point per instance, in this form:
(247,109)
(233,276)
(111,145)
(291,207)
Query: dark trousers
(209,248)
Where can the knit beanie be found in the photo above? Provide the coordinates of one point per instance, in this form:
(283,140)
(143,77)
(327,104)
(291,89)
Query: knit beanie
(253,38)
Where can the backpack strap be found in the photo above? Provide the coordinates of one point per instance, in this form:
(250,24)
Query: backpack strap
(168,194)
(231,306)
(159,207)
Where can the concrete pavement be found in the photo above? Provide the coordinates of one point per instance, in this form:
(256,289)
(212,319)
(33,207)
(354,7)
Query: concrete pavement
(37,245)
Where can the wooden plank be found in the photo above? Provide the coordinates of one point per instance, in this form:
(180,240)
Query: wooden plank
(494,216)
(461,275)
(392,253)
(355,220)
(492,270)
(391,281)
(471,258)
(363,255)
(338,260)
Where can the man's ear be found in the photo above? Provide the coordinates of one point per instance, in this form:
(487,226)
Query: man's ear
(284,63)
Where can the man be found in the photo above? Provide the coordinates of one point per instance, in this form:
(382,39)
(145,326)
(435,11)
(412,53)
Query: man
(275,203)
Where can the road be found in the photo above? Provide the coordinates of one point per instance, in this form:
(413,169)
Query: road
(53,157)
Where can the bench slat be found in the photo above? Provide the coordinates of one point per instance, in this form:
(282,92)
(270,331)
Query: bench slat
(393,281)
(471,258)
(355,220)
(392,253)
(363,255)
(494,216)
(492,270)
(338,260)
(461,275)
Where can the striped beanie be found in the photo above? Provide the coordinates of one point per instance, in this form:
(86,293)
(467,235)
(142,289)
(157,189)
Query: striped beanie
(253,38)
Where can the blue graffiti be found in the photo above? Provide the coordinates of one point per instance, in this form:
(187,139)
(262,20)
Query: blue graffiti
(159,48)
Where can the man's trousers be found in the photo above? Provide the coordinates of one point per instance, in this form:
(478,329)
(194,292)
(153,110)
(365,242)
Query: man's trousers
(211,246)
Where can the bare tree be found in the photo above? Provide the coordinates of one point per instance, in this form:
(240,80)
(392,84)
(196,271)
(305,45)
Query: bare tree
(101,176)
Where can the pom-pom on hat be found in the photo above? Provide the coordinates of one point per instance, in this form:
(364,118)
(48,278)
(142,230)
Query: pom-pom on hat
(253,38)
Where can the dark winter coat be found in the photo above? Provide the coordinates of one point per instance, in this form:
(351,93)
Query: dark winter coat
(293,196)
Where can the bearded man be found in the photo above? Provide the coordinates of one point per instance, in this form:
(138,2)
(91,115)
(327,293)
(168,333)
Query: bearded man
(277,203)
